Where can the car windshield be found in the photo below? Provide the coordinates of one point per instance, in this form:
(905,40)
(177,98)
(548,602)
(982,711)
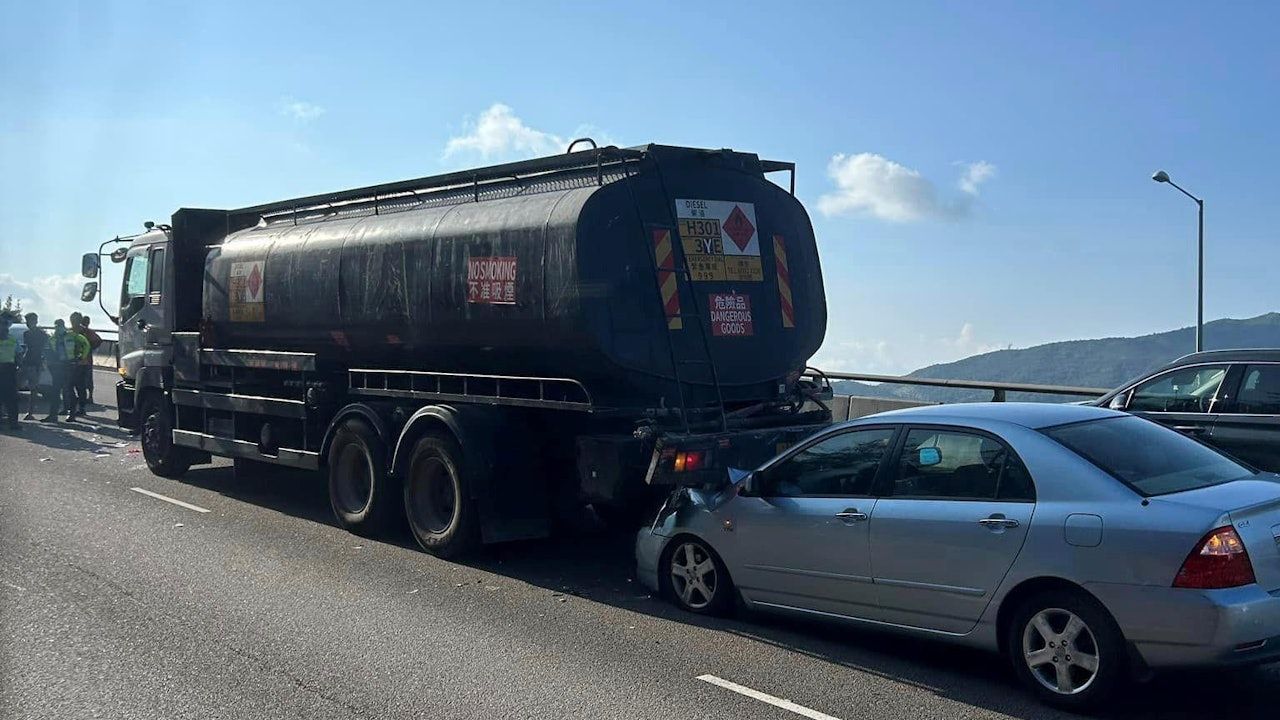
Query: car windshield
(1150,458)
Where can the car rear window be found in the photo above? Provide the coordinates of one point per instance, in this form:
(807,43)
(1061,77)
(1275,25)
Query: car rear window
(1150,458)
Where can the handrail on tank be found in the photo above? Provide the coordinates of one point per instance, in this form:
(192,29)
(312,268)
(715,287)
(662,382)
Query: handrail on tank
(769,166)
(581,139)
(580,160)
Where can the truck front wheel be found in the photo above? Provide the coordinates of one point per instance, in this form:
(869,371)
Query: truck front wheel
(361,492)
(441,512)
(163,457)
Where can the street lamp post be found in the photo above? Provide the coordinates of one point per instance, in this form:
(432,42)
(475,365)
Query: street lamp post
(1163,177)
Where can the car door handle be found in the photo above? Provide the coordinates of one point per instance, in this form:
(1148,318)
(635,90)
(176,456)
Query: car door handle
(851,515)
(998,522)
(1190,429)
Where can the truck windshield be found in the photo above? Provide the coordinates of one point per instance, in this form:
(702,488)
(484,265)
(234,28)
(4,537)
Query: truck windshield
(1150,458)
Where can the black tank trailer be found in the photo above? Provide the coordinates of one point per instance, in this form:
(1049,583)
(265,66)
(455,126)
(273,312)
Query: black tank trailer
(482,349)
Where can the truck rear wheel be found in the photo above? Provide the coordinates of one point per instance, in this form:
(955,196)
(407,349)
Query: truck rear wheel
(163,457)
(361,492)
(437,501)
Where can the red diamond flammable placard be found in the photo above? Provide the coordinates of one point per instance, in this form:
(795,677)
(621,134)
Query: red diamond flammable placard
(254,282)
(739,228)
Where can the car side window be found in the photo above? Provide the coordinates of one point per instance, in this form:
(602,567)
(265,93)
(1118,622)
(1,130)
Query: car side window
(844,464)
(1259,391)
(1186,390)
(958,465)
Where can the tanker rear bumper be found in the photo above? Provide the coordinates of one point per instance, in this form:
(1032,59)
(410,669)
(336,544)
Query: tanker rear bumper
(704,460)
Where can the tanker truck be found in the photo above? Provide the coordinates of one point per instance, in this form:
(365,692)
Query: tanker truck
(478,353)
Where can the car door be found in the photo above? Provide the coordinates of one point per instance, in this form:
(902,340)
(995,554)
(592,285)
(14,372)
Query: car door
(951,518)
(1249,425)
(1186,399)
(801,539)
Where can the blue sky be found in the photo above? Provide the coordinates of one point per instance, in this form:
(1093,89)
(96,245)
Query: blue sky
(977,173)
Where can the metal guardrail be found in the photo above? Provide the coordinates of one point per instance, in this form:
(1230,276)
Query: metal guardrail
(998,389)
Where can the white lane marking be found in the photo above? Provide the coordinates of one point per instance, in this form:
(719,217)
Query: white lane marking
(167,499)
(767,698)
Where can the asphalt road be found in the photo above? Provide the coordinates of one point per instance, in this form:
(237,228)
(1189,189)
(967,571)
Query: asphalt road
(115,603)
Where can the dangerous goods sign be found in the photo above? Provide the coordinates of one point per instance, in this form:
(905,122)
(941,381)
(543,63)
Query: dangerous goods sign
(246,290)
(721,240)
(730,315)
(491,280)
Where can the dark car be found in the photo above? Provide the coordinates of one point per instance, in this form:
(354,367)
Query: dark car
(1228,398)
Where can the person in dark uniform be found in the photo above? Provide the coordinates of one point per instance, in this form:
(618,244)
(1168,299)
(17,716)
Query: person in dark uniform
(8,375)
(37,342)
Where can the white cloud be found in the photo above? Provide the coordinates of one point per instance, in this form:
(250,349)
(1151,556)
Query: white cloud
(300,110)
(499,132)
(871,184)
(975,174)
(52,297)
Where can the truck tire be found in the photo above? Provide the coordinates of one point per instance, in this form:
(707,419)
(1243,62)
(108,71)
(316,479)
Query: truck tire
(156,421)
(361,492)
(437,502)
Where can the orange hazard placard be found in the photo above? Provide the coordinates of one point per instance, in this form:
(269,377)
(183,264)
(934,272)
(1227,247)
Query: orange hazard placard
(730,315)
(491,280)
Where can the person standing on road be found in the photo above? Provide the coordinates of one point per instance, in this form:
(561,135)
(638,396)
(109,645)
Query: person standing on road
(64,350)
(76,400)
(37,342)
(86,364)
(8,375)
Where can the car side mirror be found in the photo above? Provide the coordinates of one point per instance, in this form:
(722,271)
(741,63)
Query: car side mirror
(89,292)
(928,457)
(751,484)
(89,265)
(1119,402)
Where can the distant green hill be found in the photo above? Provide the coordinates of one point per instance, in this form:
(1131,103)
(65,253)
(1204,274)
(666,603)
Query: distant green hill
(1088,363)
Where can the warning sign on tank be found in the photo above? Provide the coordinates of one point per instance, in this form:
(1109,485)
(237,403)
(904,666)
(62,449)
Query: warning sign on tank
(246,290)
(491,280)
(730,315)
(721,240)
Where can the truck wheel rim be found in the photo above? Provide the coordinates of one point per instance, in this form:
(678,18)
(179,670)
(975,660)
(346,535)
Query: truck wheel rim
(355,479)
(434,499)
(153,435)
(693,575)
(1060,651)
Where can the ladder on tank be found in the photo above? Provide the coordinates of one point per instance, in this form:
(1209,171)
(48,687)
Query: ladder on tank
(684,278)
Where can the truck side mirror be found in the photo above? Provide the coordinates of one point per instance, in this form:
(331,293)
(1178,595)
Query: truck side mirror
(89,265)
(90,291)
(119,254)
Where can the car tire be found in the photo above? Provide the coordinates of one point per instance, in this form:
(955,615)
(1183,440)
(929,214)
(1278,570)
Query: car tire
(695,579)
(361,492)
(442,515)
(163,457)
(1079,674)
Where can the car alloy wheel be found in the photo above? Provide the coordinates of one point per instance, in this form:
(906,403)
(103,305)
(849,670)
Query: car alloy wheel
(694,578)
(1061,651)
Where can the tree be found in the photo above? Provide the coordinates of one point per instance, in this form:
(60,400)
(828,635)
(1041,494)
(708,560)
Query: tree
(11,309)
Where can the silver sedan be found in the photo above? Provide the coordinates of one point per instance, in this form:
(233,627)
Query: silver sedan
(1087,545)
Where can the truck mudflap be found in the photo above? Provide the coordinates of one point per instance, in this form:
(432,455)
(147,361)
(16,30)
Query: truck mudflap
(705,460)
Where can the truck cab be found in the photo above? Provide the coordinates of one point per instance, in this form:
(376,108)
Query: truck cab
(145,320)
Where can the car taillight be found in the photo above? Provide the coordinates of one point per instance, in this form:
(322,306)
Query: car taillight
(689,460)
(1219,561)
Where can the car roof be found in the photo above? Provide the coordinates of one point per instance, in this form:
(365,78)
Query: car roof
(1236,355)
(1026,414)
